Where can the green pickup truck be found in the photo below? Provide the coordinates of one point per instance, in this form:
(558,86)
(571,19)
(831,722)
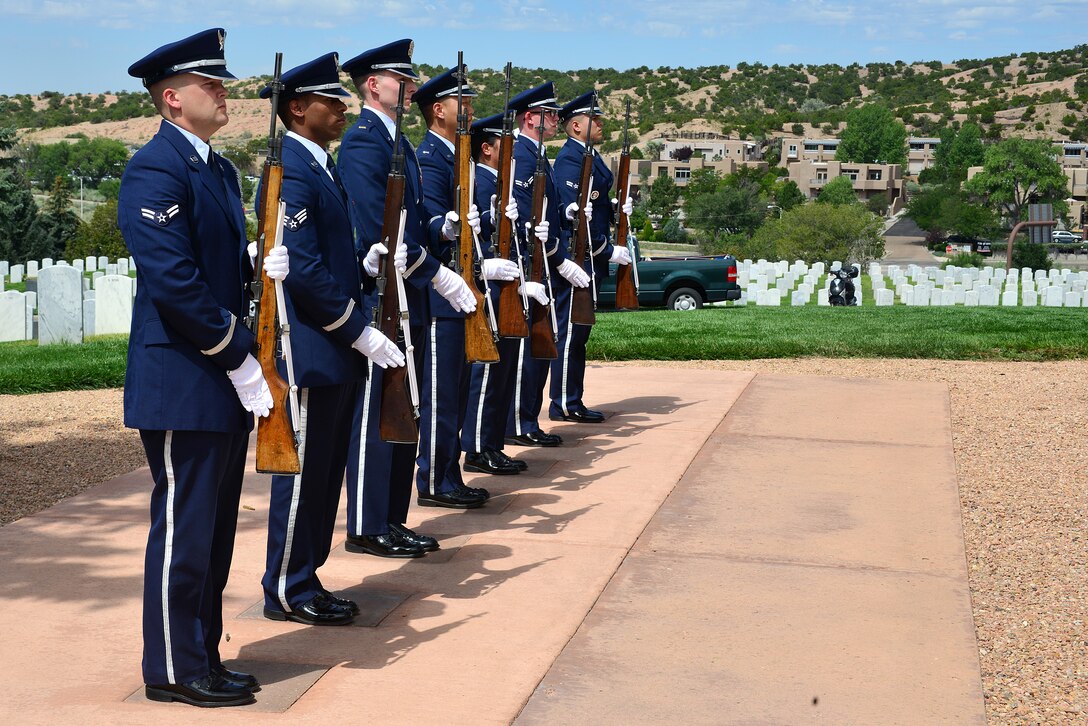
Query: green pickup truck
(678,283)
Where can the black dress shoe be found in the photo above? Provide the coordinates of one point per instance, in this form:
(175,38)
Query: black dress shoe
(349,605)
(383,545)
(586,415)
(534,438)
(519,464)
(489,462)
(242,679)
(425,543)
(459,498)
(211,691)
(318,610)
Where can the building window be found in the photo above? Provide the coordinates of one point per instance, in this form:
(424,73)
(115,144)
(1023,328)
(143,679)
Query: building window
(682,172)
(917,146)
(821,175)
(663,171)
(852,173)
(874,175)
(813,148)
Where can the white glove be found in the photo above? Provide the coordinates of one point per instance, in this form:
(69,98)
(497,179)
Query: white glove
(449,228)
(541,231)
(373,258)
(251,250)
(628,205)
(249,384)
(572,211)
(378,348)
(453,288)
(276,265)
(574,274)
(534,290)
(500,269)
(511,210)
(620,255)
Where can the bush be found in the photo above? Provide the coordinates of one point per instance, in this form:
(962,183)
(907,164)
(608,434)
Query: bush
(1027,254)
(964,259)
(673,232)
(647,233)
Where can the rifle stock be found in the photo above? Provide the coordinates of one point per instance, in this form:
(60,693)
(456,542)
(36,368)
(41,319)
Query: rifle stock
(277,445)
(581,306)
(626,291)
(513,321)
(541,332)
(396,414)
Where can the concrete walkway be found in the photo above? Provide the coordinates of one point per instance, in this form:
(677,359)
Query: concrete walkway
(716,552)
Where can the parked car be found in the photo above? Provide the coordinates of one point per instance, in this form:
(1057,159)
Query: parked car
(678,283)
(1064,236)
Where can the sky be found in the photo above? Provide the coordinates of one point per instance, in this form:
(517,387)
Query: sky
(86,45)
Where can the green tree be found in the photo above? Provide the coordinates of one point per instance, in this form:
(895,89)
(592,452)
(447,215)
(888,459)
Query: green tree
(873,135)
(957,152)
(732,209)
(1015,172)
(100,236)
(787,194)
(839,190)
(702,181)
(664,197)
(824,232)
(57,224)
(18,212)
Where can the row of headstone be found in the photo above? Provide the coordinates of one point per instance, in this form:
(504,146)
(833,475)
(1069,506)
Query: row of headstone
(68,308)
(19,272)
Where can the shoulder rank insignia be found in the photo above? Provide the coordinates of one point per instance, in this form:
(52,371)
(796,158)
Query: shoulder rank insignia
(297,220)
(160,218)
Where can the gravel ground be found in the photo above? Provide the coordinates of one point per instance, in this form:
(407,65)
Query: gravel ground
(1019,438)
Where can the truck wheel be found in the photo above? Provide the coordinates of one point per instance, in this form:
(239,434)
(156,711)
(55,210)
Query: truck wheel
(684,298)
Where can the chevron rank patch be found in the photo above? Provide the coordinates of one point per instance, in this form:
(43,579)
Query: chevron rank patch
(160,218)
(294,222)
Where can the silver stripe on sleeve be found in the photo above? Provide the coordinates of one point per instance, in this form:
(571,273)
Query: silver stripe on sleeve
(296,494)
(226,339)
(168,554)
(415,265)
(341,320)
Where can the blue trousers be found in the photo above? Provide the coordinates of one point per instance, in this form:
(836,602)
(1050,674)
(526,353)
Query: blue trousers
(194,513)
(443,399)
(530,375)
(490,393)
(569,368)
(302,510)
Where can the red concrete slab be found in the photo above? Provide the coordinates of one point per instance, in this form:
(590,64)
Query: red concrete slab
(774,588)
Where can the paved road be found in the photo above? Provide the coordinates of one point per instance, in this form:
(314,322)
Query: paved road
(904,244)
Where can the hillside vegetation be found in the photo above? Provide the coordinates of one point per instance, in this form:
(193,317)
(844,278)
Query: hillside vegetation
(1041,95)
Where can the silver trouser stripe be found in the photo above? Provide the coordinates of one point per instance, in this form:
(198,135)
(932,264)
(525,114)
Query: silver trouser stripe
(226,339)
(360,472)
(434,403)
(517,388)
(168,554)
(415,265)
(566,354)
(480,408)
(296,494)
(341,320)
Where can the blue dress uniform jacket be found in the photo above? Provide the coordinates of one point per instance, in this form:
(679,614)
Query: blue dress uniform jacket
(324,308)
(379,474)
(568,369)
(436,164)
(182,221)
(530,373)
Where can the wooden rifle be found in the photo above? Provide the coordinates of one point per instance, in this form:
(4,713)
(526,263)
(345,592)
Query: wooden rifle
(626,275)
(277,433)
(399,407)
(581,307)
(513,315)
(480,337)
(542,323)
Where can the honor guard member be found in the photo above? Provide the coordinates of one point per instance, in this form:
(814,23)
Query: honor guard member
(379,473)
(578,117)
(191,380)
(445,374)
(491,386)
(530,373)
(330,330)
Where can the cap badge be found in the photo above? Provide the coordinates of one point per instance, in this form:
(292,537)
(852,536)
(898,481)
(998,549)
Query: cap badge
(411,49)
(222,39)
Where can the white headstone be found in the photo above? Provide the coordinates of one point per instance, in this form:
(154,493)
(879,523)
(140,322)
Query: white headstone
(1072,299)
(113,304)
(5,266)
(111,269)
(32,299)
(818,268)
(821,295)
(47,262)
(81,265)
(90,263)
(921,297)
(88,317)
(835,264)
(1054,296)
(948,296)
(1008,298)
(103,261)
(906,294)
(1030,298)
(798,298)
(13,309)
(987,295)
(885,297)
(31,268)
(15,274)
(60,310)
(970,298)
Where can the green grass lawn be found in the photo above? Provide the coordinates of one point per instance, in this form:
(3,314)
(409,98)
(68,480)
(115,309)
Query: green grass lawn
(719,333)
